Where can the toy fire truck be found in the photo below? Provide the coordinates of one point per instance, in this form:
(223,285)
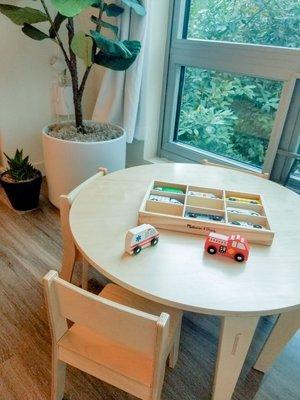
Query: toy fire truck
(140,237)
(233,246)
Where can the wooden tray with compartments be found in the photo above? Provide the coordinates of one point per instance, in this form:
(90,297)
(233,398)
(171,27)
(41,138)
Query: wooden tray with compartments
(200,210)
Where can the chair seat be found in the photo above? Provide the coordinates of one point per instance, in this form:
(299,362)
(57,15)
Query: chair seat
(122,296)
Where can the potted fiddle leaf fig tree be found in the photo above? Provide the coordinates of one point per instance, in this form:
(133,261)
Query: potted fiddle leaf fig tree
(74,150)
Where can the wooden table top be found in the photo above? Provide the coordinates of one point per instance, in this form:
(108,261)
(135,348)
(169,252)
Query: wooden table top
(177,272)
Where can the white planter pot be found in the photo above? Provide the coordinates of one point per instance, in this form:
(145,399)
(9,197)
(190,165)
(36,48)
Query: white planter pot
(69,163)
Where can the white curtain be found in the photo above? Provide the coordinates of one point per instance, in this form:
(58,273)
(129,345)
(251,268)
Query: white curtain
(121,99)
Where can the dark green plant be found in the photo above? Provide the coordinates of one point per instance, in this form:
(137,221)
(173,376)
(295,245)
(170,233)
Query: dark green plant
(92,47)
(20,168)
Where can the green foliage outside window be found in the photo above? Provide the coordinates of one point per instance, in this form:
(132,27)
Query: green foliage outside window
(228,114)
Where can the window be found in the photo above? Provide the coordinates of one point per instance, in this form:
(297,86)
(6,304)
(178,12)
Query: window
(241,246)
(222,249)
(293,181)
(151,232)
(231,76)
(227,114)
(262,22)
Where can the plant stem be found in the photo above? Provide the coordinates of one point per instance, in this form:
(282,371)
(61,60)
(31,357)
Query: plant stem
(77,95)
(58,39)
(88,69)
(84,80)
(71,62)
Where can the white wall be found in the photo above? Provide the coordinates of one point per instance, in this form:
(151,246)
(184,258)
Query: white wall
(25,82)
(26,79)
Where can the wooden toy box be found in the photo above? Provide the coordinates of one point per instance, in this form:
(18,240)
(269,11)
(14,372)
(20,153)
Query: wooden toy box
(177,216)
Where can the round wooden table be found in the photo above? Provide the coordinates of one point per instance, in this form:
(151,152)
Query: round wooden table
(178,273)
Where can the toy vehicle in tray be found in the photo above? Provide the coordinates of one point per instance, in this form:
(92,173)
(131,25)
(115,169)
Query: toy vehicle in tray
(169,190)
(202,194)
(246,224)
(211,217)
(164,199)
(243,200)
(243,211)
(211,211)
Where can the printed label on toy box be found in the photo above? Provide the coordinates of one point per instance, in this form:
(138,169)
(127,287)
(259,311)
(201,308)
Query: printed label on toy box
(201,228)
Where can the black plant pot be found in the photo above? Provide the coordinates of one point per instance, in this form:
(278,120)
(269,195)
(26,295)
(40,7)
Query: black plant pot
(23,195)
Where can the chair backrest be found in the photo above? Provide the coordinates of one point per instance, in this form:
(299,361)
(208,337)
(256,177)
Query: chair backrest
(263,175)
(133,328)
(69,249)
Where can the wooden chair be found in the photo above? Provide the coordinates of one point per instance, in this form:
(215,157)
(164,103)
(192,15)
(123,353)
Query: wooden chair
(118,337)
(71,253)
(263,175)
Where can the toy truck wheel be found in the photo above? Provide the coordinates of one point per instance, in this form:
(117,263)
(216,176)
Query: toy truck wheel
(236,223)
(137,249)
(239,257)
(154,242)
(211,250)
(257,226)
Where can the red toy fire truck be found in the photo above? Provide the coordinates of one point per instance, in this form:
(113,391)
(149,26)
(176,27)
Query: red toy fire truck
(233,246)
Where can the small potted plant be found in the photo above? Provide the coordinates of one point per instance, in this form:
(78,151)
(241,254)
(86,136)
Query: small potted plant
(73,151)
(21,182)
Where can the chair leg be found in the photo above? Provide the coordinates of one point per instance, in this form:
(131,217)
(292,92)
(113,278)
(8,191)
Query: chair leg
(173,356)
(156,395)
(85,274)
(58,377)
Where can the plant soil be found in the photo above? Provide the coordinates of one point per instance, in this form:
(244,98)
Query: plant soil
(6,177)
(94,132)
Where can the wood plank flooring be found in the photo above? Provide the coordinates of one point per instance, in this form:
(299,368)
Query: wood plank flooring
(30,245)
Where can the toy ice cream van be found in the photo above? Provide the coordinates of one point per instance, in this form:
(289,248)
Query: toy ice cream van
(140,237)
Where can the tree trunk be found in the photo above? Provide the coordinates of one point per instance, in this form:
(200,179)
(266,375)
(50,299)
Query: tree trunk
(77,100)
(77,95)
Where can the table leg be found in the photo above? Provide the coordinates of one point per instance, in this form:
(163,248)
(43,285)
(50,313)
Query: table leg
(235,338)
(85,274)
(285,327)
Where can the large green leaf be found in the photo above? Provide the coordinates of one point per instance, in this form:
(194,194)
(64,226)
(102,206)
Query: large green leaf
(104,24)
(119,63)
(137,5)
(110,47)
(97,4)
(70,8)
(34,33)
(82,46)
(58,20)
(112,10)
(23,15)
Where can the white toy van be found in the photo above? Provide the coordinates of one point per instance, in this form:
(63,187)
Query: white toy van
(140,237)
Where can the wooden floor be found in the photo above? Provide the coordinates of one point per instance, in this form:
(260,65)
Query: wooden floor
(30,245)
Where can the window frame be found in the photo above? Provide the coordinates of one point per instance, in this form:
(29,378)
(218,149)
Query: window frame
(289,147)
(278,63)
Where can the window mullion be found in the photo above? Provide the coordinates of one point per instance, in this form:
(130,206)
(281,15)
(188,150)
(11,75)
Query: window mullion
(251,60)
(279,122)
